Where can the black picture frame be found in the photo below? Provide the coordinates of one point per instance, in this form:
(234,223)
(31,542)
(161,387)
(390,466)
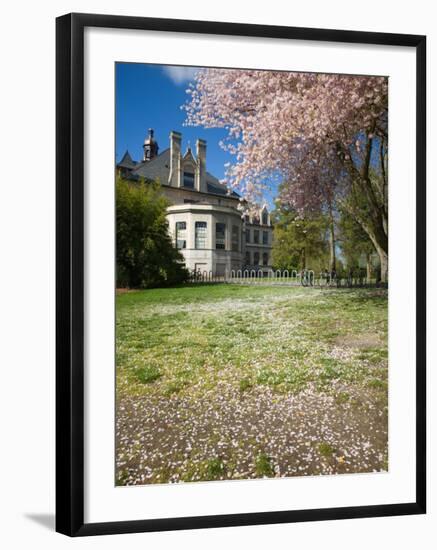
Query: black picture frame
(70,273)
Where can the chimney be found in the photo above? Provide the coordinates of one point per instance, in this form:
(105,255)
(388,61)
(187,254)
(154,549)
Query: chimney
(201,165)
(174,178)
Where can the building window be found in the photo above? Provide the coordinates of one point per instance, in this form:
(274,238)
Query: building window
(189,180)
(256,236)
(265,258)
(248,235)
(265,237)
(255,219)
(235,238)
(181,234)
(247,218)
(220,236)
(200,235)
(265,217)
(247,258)
(256,258)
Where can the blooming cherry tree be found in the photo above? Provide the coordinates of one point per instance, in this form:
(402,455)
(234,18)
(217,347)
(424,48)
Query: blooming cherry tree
(324,135)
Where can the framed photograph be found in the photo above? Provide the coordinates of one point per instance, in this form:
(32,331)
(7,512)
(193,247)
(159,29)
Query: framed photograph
(240,274)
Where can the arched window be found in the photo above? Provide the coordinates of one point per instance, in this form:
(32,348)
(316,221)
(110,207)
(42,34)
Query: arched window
(265,258)
(265,217)
(256,258)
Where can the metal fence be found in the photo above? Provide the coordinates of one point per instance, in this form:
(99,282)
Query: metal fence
(306,278)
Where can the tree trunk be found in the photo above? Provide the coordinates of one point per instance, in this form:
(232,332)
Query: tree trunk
(383,258)
(368,266)
(332,260)
(379,239)
(374,220)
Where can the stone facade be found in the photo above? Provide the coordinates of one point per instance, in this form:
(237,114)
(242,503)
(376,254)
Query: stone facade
(207,221)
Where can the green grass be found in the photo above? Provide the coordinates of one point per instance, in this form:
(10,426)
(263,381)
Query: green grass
(148,374)
(263,466)
(188,339)
(326,450)
(206,470)
(245,384)
(216,360)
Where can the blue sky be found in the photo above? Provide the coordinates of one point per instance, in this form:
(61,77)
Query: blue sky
(150,96)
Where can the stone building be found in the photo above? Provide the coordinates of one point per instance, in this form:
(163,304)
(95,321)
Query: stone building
(206,219)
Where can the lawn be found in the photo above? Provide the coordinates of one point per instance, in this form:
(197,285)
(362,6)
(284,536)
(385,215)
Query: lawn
(234,382)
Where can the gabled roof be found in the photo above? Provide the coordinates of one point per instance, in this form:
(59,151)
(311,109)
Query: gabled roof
(189,156)
(127,162)
(158,169)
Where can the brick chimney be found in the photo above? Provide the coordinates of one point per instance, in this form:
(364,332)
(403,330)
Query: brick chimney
(174,178)
(201,165)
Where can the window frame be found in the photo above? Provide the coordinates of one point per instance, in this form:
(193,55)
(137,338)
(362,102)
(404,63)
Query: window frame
(235,238)
(177,231)
(202,236)
(186,173)
(224,236)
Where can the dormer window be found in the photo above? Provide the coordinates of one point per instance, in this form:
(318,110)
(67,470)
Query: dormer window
(265,217)
(189,180)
